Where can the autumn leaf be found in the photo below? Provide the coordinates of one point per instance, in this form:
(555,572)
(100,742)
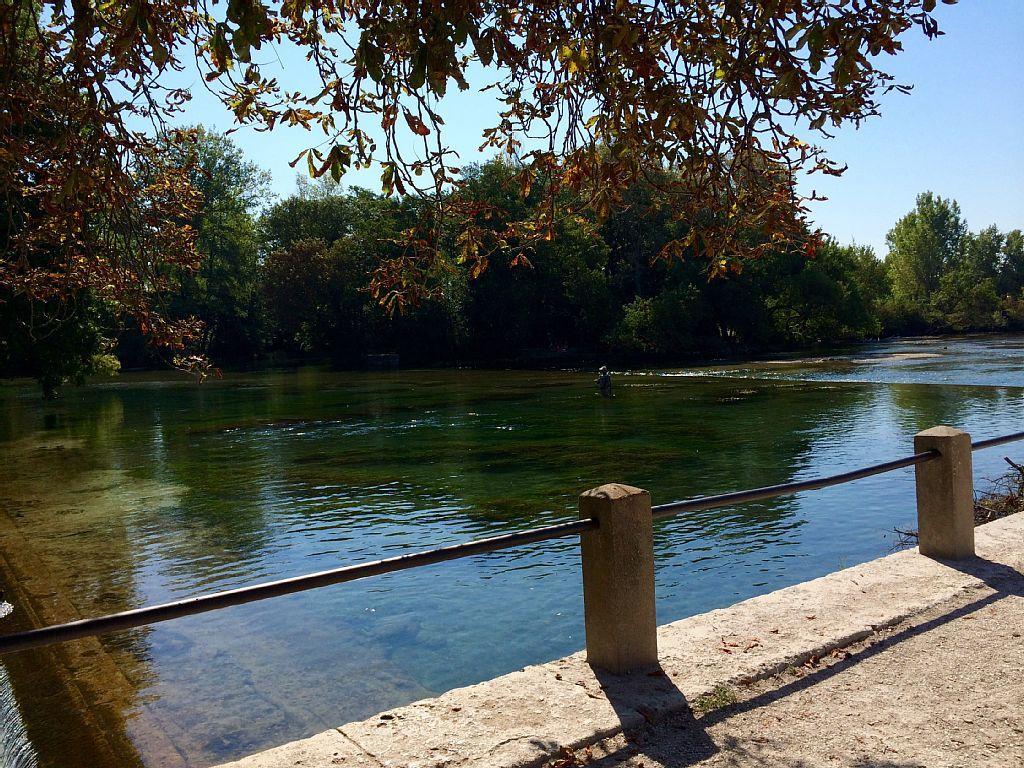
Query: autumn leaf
(416,125)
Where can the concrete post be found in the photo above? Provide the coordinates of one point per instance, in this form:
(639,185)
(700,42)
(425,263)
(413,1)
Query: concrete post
(618,579)
(945,495)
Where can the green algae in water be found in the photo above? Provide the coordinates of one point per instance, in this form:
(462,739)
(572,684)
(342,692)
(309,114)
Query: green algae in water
(149,489)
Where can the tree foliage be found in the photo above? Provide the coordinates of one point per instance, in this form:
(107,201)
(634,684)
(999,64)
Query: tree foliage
(597,286)
(87,204)
(945,278)
(222,290)
(923,245)
(294,280)
(595,96)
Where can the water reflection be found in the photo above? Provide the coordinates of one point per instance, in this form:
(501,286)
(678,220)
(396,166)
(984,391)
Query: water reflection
(146,490)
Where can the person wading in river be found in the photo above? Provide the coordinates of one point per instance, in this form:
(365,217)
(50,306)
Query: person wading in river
(604,381)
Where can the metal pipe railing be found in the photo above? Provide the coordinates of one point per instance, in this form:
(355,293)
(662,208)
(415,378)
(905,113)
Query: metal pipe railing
(60,633)
(201,604)
(662,511)
(992,442)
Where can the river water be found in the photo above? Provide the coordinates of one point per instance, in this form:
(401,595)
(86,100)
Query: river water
(148,488)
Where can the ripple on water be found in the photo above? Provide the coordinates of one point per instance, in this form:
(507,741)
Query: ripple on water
(158,493)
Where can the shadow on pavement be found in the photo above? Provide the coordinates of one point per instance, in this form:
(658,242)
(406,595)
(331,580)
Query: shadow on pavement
(1004,580)
(647,698)
(677,738)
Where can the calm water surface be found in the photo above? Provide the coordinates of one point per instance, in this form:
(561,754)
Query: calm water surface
(148,488)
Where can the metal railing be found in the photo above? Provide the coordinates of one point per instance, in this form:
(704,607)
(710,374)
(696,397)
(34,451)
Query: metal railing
(60,633)
(662,511)
(992,442)
(138,617)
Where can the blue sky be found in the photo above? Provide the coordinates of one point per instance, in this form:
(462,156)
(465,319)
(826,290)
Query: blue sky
(960,133)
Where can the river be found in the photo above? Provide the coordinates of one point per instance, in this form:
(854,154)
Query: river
(149,488)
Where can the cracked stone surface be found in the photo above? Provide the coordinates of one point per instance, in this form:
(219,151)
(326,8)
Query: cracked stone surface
(527,717)
(324,750)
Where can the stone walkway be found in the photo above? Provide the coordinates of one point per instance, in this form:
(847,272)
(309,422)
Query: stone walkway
(945,690)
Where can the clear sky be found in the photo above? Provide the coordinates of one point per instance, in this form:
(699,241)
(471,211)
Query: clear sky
(960,133)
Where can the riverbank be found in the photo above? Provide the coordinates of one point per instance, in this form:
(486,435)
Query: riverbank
(551,711)
(590,359)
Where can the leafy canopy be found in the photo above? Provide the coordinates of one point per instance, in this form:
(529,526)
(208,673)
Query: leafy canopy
(727,94)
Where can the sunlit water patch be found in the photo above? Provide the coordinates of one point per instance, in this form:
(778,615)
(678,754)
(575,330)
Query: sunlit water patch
(980,361)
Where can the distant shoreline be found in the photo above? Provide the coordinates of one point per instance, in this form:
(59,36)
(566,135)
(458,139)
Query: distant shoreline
(587,361)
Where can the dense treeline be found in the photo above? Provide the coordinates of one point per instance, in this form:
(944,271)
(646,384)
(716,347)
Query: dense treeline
(289,280)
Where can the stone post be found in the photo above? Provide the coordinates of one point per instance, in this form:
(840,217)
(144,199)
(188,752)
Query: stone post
(945,495)
(618,579)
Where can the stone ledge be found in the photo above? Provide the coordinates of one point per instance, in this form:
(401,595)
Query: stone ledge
(329,748)
(524,718)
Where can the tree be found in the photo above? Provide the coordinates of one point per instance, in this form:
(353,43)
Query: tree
(297,290)
(594,96)
(600,287)
(967,297)
(321,245)
(91,211)
(82,230)
(317,211)
(637,233)
(223,291)
(55,342)
(872,283)
(674,323)
(1011,278)
(825,298)
(553,300)
(946,278)
(923,245)
(1011,265)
